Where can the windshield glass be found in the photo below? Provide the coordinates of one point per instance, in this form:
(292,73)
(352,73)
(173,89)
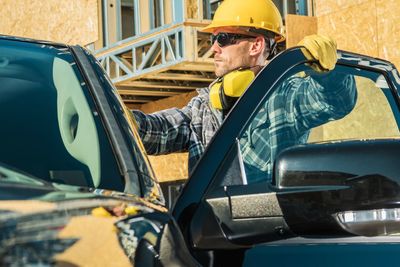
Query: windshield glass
(50,125)
(127,123)
(9,176)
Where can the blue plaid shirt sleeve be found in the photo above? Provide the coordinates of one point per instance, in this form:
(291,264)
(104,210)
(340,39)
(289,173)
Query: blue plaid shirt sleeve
(174,130)
(286,118)
(165,131)
(318,100)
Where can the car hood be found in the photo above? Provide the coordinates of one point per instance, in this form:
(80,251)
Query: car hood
(65,225)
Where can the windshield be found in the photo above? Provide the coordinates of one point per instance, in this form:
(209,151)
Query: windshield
(9,176)
(50,127)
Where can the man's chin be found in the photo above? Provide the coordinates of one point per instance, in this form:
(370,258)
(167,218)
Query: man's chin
(220,73)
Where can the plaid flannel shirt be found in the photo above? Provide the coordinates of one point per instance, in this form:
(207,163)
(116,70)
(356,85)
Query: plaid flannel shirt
(286,119)
(174,130)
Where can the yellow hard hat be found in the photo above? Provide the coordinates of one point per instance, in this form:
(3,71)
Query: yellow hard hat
(260,15)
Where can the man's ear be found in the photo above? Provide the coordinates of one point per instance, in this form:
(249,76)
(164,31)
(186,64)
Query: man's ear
(258,46)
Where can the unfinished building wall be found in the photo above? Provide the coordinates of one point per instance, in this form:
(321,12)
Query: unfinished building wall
(173,166)
(363,26)
(72,21)
(297,27)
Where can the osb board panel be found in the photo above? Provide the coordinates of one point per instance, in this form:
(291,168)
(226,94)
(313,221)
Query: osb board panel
(72,21)
(178,101)
(323,7)
(353,28)
(170,167)
(388,20)
(297,27)
(370,118)
(97,243)
(174,166)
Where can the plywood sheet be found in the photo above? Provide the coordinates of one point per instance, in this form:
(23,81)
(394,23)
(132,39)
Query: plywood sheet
(173,166)
(178,101)
(371,117)
(170,167)
(323,7)
(72,21)
(388,21)
(297,27)
(354,28)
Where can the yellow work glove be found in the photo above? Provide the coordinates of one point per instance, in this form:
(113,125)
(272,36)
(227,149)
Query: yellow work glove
(322,49)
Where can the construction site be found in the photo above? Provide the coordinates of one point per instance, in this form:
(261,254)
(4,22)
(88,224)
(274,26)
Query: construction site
(156,56)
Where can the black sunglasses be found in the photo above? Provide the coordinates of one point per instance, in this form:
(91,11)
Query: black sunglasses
(224,38)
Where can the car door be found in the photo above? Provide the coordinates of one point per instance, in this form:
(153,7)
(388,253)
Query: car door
(298,153)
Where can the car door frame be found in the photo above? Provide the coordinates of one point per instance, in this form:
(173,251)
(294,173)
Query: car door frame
(121,150)
(206,169)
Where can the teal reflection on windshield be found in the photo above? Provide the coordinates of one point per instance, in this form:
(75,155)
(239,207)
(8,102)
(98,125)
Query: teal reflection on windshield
(9,176)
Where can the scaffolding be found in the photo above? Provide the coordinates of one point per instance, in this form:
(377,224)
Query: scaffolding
(159,51)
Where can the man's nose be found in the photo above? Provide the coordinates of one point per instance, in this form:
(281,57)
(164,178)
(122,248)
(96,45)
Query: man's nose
(215,47)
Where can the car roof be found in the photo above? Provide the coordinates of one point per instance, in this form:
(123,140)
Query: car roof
(30,40)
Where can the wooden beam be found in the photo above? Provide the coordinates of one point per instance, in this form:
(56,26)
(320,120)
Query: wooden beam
(197,23)
(178,77)
(135,101)
(204,43)
(133,105)
(198,66)
(147,92)
(156,85)
(207,62)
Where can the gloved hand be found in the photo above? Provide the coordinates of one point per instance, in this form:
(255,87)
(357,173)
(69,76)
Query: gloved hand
(320,48)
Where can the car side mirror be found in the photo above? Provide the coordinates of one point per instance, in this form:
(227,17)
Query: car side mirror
(331,189)
(340,187)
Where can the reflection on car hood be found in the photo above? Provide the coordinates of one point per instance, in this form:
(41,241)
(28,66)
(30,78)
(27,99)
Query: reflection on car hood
(48,226)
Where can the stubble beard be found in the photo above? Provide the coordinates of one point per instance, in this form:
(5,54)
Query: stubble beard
(221,71)
(224,67)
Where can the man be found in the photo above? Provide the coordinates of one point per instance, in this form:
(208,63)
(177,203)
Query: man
(245,34)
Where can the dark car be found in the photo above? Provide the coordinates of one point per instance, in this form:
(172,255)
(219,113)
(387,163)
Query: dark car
(329,197)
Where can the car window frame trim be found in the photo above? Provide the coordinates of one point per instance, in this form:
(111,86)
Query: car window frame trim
(118,144)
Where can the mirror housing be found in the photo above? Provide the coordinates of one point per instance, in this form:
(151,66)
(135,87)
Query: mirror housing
(327,189)
(320,183)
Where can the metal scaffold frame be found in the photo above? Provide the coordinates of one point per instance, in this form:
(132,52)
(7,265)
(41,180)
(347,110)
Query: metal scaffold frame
(173,60)
(162,52)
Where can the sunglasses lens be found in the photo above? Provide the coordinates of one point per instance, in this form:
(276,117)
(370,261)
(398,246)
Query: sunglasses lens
(223,39)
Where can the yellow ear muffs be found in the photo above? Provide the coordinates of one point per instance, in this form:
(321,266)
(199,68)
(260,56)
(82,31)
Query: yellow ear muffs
(214,94)
(226,90)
